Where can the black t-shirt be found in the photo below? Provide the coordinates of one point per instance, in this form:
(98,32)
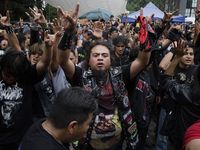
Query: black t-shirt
(184,76)
(37,138)
(15,105)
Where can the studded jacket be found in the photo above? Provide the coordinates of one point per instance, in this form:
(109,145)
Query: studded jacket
(126,116)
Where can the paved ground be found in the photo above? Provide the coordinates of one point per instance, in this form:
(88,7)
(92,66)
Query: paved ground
(151,138)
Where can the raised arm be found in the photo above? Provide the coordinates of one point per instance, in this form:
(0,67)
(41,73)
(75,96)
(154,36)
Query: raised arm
(34,30)
(43,64)
(196,27)
(174,35)
(5,21)
(99,15)
(57,30)
(180,51)
(126,21)
(165,62)
(143,55)
(69,24)
(166,18)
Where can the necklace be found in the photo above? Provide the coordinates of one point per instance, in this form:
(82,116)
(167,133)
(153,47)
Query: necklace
(103,83)
(54,137)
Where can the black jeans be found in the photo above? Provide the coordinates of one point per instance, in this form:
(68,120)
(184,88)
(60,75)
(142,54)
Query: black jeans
(142,133)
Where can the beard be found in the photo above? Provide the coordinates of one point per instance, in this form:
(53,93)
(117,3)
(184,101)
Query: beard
(99,73)
(101,76)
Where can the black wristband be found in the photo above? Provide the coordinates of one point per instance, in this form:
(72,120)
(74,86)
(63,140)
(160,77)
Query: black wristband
(65,41)
(9,29)
(196,19)
(174,35)
(173,51)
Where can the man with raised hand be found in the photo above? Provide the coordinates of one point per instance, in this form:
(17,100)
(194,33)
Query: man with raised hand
(115,120)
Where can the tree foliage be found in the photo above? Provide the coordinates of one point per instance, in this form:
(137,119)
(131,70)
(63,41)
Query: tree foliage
(50,12)
(17,8)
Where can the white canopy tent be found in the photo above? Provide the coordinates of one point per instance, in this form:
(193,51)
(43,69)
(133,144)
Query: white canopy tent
(192,19)
(116,7)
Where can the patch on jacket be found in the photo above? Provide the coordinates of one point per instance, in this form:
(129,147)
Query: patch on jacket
(141,85)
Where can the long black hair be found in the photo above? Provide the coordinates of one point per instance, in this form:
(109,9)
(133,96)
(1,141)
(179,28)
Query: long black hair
(15,62)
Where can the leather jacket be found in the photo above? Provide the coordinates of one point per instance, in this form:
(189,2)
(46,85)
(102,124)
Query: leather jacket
(129,126)
(46,94)
(187,110)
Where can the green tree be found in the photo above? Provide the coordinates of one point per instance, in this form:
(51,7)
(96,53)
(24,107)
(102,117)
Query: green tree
(17,8)
(50,12)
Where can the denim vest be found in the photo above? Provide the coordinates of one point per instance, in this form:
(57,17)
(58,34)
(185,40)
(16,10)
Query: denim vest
(126,116)
(46,94)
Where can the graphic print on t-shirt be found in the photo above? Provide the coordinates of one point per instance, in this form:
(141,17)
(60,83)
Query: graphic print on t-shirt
(10,102)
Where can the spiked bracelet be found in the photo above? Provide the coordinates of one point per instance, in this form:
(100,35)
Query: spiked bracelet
(9,29)
(65,41)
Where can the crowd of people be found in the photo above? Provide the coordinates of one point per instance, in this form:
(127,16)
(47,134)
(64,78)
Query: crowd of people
(97,85)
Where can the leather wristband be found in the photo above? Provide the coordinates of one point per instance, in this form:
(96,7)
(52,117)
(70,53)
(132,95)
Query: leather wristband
(65,41)
(173,51)
(174,35)
(9,29)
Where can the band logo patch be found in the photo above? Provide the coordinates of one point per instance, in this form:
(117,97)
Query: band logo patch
(132,128)
(125,100)
(141,85)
